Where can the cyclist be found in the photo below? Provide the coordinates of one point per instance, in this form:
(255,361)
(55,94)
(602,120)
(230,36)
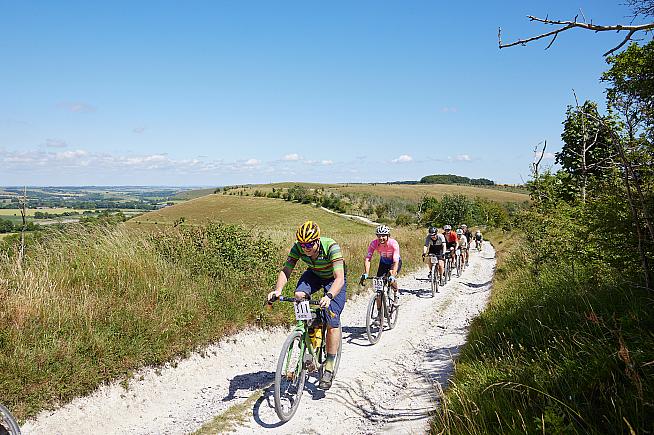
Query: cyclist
(389,257)
(463,245)
(451,241)
(478,239)
(468,234)
(326,269)
(434,245)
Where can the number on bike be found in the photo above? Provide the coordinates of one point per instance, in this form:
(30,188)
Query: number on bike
(302,310)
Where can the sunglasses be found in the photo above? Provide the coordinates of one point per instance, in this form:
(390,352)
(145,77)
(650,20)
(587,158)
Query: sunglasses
(307,245)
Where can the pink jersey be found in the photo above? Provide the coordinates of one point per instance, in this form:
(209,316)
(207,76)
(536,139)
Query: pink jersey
(389,252)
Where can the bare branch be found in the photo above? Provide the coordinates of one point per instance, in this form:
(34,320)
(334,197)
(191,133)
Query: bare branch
(567,25)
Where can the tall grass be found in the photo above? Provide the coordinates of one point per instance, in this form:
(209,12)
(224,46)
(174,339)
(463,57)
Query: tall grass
(92,305)
(563,351)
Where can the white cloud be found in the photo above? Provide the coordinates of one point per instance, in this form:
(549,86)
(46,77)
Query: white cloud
(404,158)
(327,162)
(449,109)
(68,155)
(77,107)
(292,157)
(252,162)
(138,130)
(462,158)
(55,143)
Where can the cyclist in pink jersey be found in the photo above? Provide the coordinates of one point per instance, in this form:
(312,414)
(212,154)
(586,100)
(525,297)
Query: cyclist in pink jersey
(389,257)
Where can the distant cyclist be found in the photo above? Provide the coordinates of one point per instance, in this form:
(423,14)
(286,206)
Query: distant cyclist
(326,269)
(468,234)
(389,257)
(451,241)
(478,240)
(434,245)
(463,245)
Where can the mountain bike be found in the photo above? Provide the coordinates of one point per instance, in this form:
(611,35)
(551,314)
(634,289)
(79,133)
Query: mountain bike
(8,424)
(448,266)
(459,263)
(303,352)
(381,307)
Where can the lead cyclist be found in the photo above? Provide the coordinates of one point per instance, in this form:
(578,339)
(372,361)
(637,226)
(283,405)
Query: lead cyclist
(326,270)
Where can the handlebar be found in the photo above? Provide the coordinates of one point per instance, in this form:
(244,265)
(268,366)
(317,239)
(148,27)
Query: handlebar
(289,299)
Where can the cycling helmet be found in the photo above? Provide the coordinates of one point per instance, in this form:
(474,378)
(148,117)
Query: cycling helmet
(459,232)
(433,230)
(447,227)
(478,232)
(464,226)
(308,232)
(383,230)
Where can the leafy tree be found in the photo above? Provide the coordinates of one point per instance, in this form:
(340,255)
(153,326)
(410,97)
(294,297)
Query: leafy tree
(588,147)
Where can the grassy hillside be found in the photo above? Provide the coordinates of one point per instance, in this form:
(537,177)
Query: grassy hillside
(91,305)
(412,192)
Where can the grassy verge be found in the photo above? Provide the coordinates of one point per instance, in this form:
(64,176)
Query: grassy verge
(561,351)
(93,305)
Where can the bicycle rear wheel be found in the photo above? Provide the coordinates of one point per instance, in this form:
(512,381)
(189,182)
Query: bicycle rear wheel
(374,320)
(459,266)
(391,309)
(434,280)
(8,424)
(449,270)
(289,377)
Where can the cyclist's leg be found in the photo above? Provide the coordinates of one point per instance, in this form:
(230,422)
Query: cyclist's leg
(333,333)
(308,284)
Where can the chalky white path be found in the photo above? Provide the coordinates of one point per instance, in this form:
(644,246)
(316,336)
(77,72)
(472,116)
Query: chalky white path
(389,387)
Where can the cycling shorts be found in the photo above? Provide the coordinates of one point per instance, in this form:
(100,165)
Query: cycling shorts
(386,267)
(310,283)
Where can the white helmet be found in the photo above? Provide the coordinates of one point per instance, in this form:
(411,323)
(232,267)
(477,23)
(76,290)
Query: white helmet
(459,232)
(447,227)
(464,226)
(383,230)
(478,232)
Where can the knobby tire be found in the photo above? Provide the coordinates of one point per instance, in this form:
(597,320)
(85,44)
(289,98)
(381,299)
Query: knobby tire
(374,314)
(289,392)
(8,424)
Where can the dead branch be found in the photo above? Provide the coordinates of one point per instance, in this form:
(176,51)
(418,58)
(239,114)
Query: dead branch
(567,25)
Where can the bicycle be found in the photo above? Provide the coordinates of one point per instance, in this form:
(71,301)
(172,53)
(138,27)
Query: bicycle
(8,423)
(434,275)
(447,276)
(303,352)
(459,263)
(381,306)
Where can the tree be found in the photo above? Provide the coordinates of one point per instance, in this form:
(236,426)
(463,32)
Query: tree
(639,7)
(587,144)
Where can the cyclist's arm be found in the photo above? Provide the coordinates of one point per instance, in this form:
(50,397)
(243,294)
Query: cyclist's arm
(339,278)
(366,265)
(282,279)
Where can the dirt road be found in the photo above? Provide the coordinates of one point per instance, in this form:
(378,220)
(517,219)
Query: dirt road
(389,387)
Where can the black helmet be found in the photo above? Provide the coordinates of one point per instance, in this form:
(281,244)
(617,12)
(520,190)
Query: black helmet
(432,230)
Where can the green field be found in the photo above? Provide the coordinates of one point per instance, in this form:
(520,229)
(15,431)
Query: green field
(31,211)
(411,192)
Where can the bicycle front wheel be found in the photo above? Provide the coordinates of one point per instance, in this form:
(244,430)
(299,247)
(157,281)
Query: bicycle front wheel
(290,376)
(374,320)
(459,266)
(8,424)
(434,280)
(392,308)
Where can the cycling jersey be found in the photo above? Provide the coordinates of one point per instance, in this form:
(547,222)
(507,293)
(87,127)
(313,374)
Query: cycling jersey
(451,239)
(478,236)
(463,242)
(468,235)
(323,266)
(389,252)
(435,246)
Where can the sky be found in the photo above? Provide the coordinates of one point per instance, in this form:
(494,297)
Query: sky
(213,93)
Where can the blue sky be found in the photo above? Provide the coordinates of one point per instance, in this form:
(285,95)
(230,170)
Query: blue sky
(226,92)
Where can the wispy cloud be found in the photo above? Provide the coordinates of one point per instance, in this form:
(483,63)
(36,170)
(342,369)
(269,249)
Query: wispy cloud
(138,130)
(77,107)
(55,143)
(292,157)
(326,162)
(462,158)
(404,158)
(449,109)
(252,162)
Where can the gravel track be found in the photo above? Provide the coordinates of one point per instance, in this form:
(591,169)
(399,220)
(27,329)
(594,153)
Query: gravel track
(391,387)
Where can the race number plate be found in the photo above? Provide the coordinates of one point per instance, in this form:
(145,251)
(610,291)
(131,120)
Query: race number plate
(378,283)
(302,310)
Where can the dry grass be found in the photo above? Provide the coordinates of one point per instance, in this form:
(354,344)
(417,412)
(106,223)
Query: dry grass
(411,192)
